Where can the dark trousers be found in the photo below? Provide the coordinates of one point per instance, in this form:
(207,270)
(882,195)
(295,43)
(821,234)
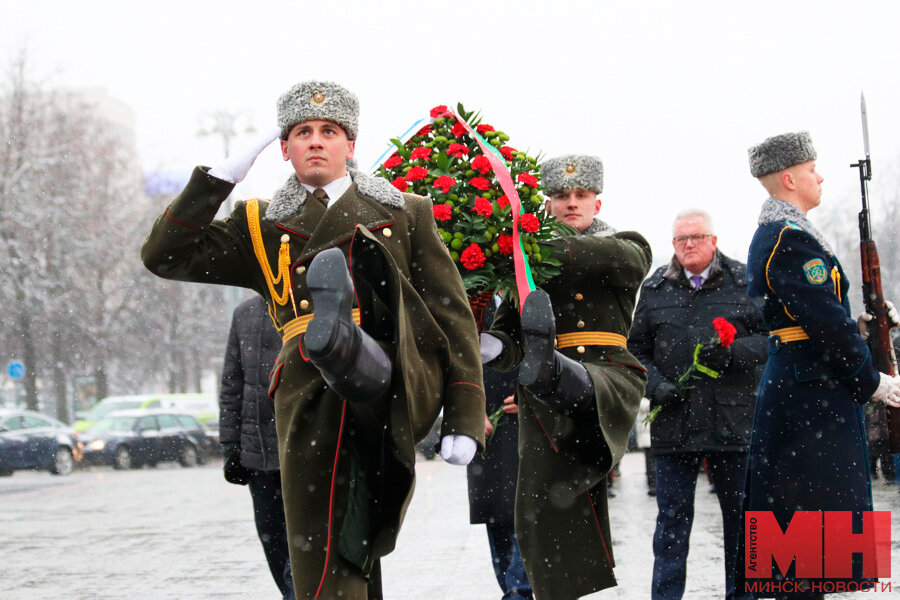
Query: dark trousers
(676,481)
(507,561)
(268,512)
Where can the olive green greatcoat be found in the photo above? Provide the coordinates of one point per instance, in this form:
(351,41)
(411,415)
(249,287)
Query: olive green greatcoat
(338,458)
(562,520)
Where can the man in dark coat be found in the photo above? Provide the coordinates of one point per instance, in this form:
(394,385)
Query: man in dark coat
(492,479)
(711,418)
(354,387)
(579,387)
(808,446)
(247,430)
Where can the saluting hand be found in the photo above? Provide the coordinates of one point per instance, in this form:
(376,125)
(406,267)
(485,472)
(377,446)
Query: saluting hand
(235,168)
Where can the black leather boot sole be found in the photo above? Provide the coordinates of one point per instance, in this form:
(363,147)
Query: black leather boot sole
(537,370)
(350,361)
(331,291)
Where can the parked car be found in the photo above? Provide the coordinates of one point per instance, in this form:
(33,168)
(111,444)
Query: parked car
(212,432)
(133,438)
(30,440)
(201,406)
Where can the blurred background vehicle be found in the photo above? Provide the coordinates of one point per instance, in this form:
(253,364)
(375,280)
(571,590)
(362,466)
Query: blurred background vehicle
(203,407)
(212,432)
(30,440)
(133,438)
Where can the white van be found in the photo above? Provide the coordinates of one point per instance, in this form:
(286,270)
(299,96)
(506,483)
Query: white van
(202,406)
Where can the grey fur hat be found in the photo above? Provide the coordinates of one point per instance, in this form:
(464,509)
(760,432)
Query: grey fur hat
(572,171)
(781,152)
(311,100)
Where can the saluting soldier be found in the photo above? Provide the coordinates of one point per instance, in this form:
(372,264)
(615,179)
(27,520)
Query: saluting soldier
(350,400)
(580,387)
(808,444)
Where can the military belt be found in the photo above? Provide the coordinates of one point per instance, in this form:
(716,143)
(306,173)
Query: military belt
(590,338)
(790,334)
(295,327)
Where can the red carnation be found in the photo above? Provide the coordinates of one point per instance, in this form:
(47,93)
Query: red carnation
(444,182)
(393,162)
(472,257)
(480,183)
(502,201)
(481,163)
(438,110)
(483,207)
(457,150)
(424,131)
(422,152)
(507,152)
(483,128)
(400,184)
(506,244)
(529,223)
(458,129)
(528,179)
(441,212)
(725,330)
(417,173)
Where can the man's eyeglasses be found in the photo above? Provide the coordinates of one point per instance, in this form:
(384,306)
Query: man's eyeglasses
(682,240)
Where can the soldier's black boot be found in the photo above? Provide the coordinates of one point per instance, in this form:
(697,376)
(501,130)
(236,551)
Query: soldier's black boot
(556,380)
(351,362)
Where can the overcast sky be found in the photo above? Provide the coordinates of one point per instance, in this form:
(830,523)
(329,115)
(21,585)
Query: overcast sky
(669,94)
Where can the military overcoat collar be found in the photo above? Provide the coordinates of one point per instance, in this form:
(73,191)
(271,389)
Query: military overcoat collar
(290,199)
(776,210)
(364,203)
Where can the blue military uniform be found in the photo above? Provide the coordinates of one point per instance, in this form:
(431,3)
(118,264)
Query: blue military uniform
(808,445)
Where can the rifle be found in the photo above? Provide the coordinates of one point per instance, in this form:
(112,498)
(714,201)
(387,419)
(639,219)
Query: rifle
(879,339)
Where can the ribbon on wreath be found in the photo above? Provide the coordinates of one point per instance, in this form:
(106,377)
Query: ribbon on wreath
(404,137)
(524,278)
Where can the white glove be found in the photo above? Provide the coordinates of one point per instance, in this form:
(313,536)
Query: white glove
(236,167)
(888,390)
(491,347)
(892,315)
(458,449)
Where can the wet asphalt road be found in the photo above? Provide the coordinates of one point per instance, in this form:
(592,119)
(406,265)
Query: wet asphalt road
(177,533)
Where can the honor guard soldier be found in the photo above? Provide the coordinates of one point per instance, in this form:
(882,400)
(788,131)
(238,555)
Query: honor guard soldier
(579,387)
(808,444)
(371,354)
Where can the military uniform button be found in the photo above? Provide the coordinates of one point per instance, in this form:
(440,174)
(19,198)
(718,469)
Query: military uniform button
(300,270)
(304,304)
(387,232)
(581,349)
(579,296)
(285,238)
(580,324)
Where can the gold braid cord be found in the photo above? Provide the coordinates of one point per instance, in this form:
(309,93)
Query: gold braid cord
(284,259)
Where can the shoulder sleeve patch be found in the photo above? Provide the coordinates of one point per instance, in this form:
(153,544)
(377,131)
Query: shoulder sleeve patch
(815,271)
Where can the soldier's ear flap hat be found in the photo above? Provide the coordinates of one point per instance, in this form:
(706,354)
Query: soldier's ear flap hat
(318,100)
(781,152)
(572,171)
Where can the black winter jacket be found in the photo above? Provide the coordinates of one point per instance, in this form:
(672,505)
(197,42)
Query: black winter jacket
(670,320)
(246,412)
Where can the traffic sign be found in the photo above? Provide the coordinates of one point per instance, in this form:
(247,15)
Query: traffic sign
(16,370)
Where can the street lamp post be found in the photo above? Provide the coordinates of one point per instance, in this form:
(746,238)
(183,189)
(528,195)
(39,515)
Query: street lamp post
(226,125)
